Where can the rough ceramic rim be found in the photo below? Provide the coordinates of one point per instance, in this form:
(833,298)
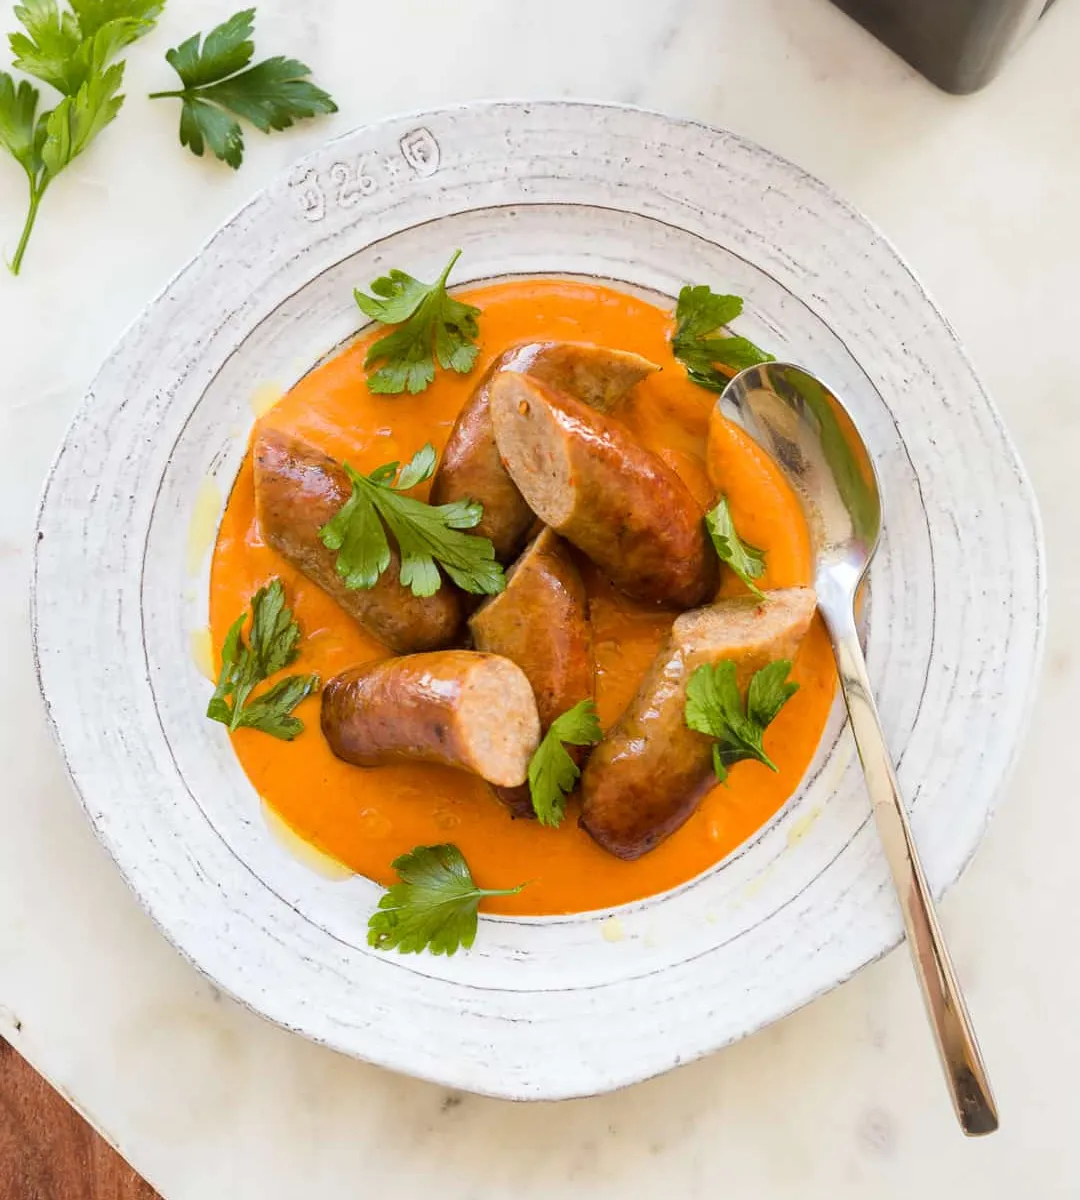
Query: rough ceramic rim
(490,1062)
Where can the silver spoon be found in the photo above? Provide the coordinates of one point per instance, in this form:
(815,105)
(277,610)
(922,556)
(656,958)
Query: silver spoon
(809,433)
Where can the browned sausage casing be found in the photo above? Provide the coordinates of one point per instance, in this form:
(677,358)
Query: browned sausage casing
(454,707)
(583,473)
(297,490)
(470,466)
(541,623)
(650,772)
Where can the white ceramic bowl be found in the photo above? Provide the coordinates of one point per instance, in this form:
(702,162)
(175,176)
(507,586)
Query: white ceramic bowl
(540,1008)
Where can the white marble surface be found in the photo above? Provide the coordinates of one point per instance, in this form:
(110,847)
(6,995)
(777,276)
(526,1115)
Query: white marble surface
(842,1100)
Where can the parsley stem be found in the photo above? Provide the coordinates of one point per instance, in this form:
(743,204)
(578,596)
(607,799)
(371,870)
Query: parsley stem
(31,216)
(441,282)
(167,96)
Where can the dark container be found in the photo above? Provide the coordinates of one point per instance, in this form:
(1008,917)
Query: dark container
(958,44)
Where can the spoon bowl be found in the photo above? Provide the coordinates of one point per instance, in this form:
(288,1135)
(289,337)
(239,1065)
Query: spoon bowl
(811,436)
(813,439)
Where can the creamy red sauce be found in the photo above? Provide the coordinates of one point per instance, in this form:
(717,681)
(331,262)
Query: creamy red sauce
(364,818)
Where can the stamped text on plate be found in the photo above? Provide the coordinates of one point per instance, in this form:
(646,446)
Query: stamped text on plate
(345,184)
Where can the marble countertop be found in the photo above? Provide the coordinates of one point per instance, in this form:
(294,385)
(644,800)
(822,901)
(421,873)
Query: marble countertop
(841,1101)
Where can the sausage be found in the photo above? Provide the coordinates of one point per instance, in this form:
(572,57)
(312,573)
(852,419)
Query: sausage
(454,707)
(595,375)
(583,474)
(297,490)
(470,465)
(541,623)
(650,772)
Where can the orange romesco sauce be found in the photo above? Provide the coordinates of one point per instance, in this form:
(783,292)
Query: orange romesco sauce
(366,817)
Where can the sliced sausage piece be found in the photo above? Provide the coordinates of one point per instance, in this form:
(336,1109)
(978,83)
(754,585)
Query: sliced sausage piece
(297,490)
(470,466)
(650,772)
(583,474)
(454,707)
(541,623)
(596,375)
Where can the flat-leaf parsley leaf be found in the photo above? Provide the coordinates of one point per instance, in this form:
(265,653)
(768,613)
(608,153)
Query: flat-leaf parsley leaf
(434,905)
(272,647)
(71,51)
(710,355)
(64,48)
(428,536)
(271,95)
(552,771)
(431,326)
(714,707)
(745,560)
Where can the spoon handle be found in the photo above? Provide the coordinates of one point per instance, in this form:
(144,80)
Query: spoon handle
(964,1069)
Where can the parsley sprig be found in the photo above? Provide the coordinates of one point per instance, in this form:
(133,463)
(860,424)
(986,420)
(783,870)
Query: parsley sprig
(428,536)
(552,771)
(710,355)
(244,665)
(218,82)
(714,707)
(431,325)
(434,905)
(71,51)
(745,560)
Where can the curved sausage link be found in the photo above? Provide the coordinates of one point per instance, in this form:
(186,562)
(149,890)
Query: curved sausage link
(541,623)
(454,707)
(470,465)
(650,772)
(583,473)
(297,490)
